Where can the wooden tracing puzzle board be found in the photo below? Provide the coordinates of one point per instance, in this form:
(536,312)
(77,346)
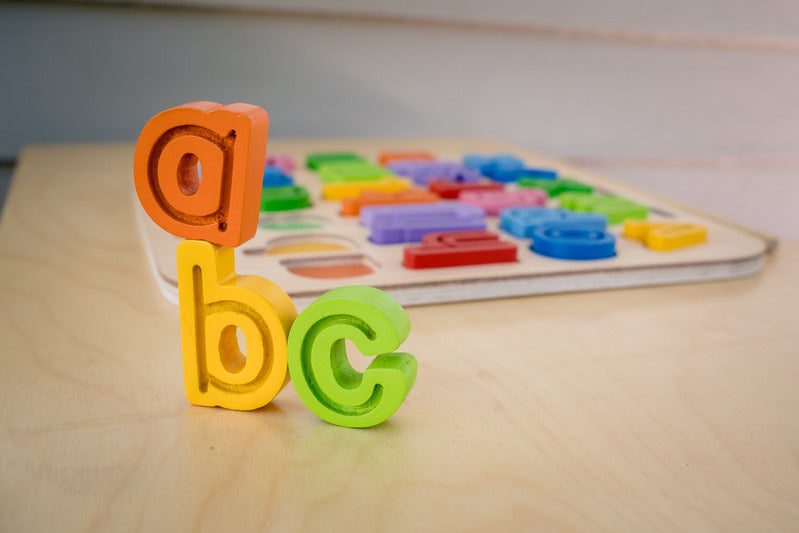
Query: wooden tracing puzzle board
(728,252)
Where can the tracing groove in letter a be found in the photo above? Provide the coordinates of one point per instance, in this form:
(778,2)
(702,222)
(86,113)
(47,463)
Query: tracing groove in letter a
(220,203)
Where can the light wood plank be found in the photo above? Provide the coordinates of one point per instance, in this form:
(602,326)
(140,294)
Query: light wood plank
(658,408)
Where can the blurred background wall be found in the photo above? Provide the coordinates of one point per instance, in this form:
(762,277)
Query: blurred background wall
(674,96)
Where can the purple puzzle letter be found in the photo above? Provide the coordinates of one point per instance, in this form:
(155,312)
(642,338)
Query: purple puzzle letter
(421,172)
(409,223)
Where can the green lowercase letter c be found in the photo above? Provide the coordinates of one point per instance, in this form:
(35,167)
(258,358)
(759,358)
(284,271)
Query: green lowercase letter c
(321,372)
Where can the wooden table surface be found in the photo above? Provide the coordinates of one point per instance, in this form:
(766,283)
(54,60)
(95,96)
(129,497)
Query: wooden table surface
(668,408)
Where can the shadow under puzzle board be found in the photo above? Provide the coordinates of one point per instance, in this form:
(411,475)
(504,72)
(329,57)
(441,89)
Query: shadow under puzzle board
(728,252)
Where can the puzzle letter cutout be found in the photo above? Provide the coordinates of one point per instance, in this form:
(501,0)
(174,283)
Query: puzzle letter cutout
(229,143)
(214,301)
(324,378)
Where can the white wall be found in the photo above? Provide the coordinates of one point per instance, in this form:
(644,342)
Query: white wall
(93,72)
(704,17)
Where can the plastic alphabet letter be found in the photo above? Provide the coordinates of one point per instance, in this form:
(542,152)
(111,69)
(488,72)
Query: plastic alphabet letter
(516,174)
(556,187)
(521,222)
(616,209)
(411,222)
(664,236)
(353,189)
(344,171)
(384,158)
(321,372)
(491,165)
(276,177)
(284,198)
(214,301)
(229,142)
(352,206)
(281,161)
(493,202)
(576,242)
(317,160)
(421,172)
(452,189)
(459,248)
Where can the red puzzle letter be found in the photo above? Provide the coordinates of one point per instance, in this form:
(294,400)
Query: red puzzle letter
(459,248)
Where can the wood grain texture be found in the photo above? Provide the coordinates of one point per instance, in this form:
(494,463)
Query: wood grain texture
(660,408)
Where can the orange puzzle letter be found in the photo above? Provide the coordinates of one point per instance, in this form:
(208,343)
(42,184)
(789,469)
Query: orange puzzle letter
(214,303)
(219,204)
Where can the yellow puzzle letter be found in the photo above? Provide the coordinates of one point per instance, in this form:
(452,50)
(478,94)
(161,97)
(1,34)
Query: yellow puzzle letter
(214,303)
(665,236)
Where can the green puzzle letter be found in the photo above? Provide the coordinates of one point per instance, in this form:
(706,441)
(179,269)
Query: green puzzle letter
(321,372)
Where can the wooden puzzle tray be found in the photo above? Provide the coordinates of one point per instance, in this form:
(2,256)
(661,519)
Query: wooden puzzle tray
(344,255)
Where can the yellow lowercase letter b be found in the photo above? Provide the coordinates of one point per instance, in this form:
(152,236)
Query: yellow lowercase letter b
(214,304)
